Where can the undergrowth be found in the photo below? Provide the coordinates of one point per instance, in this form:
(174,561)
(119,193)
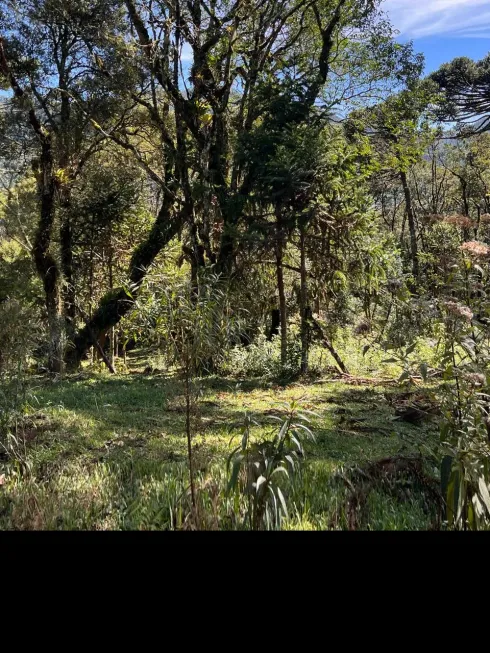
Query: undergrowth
(109,453)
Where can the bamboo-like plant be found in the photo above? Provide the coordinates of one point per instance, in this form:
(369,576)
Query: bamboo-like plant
(254,467)
(198,325)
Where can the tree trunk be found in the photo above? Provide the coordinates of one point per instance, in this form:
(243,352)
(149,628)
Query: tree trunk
(46,265)
(464,197)
(55,356)
(69,297)
(411,224)
(275,324)
(329,346)
(280,285)
(111,288)
(304,304)
(64,148)
(466,207)
(116,304)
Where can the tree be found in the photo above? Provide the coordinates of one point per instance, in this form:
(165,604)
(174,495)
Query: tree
(243,54)
(401,133)
(465,94)
(50,66)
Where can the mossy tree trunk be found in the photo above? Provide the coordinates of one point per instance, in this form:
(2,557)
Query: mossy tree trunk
(118,302)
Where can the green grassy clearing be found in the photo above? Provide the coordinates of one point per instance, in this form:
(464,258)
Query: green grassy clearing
(103,452)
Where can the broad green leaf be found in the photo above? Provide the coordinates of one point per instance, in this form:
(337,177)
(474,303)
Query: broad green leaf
(411,349)
(305,429)
(284,430)
(309,412)
(450,507)
(471,517)
(461,498)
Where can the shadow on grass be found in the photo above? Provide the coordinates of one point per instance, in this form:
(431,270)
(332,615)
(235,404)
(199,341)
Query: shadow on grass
(112,450)
(104,418)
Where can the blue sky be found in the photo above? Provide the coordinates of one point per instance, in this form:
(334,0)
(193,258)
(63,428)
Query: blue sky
(443,29)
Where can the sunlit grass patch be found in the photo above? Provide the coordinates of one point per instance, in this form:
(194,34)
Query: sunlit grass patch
(112,454)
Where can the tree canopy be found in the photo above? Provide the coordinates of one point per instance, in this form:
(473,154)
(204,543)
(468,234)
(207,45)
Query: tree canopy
(465,85)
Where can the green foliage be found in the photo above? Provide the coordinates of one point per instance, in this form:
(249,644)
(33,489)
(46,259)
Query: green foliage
(262,461)
(464,86)
(197,325)
(294,168)
(109,453)
(465,430)
(441,259)
(262,358)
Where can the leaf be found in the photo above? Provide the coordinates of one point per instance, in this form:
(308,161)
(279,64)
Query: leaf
(234,475)
(245,439)
(284,430)
(340,276)
(469,345)
(448,373)
(450,499)
(304,428)
(478,506)
(461,498)
(297,443)
(260,481)
(275,418)
(231,457)
(274,499)
(484,493)
(471,516)
(127,292)
(309,412)
(283,502)
(423,371)
(411,349)
(282,470)
(304,418)
(445,470)
(406,375)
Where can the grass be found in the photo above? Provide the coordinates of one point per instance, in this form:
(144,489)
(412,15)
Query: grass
(107,452)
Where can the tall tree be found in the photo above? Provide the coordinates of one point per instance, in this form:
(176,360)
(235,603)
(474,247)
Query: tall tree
(256,67)
(51,68)
(465,94)
(400,130)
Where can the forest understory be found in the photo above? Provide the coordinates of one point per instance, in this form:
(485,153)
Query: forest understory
(244,269)
(102,452)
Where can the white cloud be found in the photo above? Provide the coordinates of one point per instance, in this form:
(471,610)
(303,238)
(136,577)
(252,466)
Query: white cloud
(418,18)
